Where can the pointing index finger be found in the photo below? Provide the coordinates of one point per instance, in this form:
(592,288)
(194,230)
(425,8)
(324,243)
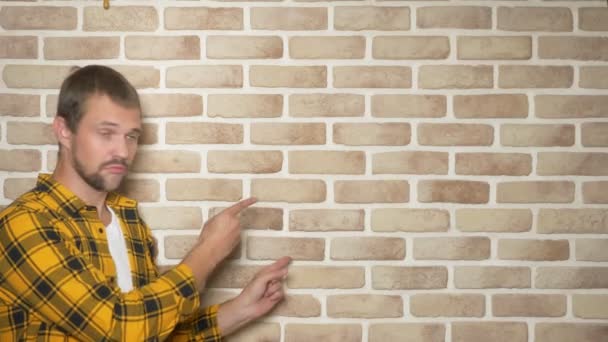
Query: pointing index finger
(240,205)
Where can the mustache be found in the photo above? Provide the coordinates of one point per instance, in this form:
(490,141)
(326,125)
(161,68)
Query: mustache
(113,162)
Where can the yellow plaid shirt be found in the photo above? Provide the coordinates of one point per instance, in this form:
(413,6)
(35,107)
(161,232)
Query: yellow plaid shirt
(58,280)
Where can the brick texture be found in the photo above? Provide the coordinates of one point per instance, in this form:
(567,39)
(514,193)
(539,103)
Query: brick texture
(438,170)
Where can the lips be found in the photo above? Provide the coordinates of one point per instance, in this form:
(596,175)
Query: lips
(116,168)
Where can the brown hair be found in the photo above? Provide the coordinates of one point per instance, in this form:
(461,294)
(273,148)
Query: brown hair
(78,87)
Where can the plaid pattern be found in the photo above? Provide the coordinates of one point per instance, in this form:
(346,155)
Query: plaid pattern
(57,279)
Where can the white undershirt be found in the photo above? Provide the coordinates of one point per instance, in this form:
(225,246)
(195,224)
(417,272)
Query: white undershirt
(118,250)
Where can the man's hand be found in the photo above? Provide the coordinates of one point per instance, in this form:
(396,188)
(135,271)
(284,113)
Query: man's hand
(260,295)
(220,235)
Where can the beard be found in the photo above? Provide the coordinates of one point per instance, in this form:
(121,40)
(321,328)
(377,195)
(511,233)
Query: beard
(95,179)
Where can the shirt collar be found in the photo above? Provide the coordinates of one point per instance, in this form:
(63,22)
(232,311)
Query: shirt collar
(64,199)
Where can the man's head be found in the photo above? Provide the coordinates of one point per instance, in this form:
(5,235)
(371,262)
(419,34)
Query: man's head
(97,125)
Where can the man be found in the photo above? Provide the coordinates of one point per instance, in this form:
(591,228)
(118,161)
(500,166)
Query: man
(76,259)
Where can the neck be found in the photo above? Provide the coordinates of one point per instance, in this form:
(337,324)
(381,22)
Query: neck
(66,174)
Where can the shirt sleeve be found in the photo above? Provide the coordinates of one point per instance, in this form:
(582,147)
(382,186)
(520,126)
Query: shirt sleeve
(201,326)
(46,273)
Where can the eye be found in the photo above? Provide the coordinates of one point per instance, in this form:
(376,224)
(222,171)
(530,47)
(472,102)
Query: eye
(106,133)
(133,136)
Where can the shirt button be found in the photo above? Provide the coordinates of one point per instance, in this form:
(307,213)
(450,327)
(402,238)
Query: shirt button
(111,279)
(100,230)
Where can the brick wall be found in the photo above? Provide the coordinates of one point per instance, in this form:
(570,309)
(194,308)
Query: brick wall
(437,169)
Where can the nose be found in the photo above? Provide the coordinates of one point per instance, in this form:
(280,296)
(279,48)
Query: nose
(121,148)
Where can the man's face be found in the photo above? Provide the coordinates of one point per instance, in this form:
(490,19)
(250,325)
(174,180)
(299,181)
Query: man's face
(105,142)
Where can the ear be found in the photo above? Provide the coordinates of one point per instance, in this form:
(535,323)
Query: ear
(62,132)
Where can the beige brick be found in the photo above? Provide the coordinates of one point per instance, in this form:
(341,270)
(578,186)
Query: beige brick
(595,192)
(258,218)
(391,134)
(20,160)
(410,220)
(571,106)
(491,106)
(288,133)
(563,332)
(410,162)
(535,192)
(452,248)
(141,190)
(357,18)
(172,217)
(264,248)
(38,18)
(288,76)
(488,277)
(230,275)
(196,189)
(204,18)
(571,278)
(455,76)
(552,19)
(533,250)
(315,220)
(120,18)
(203,133)
(532,76)
(528,305)
(140,76)
(19,105)
(593,19)
(447,134)
(541,135)
(572,163)
(577,48)
(490,331)
(178,246)
(174,47)
(409,106)
(244,161)
(289,190)
(325,277)
(494,220)
(593,77)
(409,278)
(367,248)
(573,221)
(494,164)
(323,332)
(167,105)
(244,47)
(245,105)
(15,187)
(289,18)
(594,134)
(258,331)
(371,191)
(205,76)
(298,306)
(327,162)
(50,105)
(326,105)
(496,47)
(456,17)
(18,47)
(30,133)
(592,249)
(327,47)
(406,332)
(167,161)
(447,305)
(35,76)
(149,134)
(590,306)
(405,47)
(372,77)
(364,306)
(453,191)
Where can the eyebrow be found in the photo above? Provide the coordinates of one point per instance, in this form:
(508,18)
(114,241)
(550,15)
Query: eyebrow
(113,124)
